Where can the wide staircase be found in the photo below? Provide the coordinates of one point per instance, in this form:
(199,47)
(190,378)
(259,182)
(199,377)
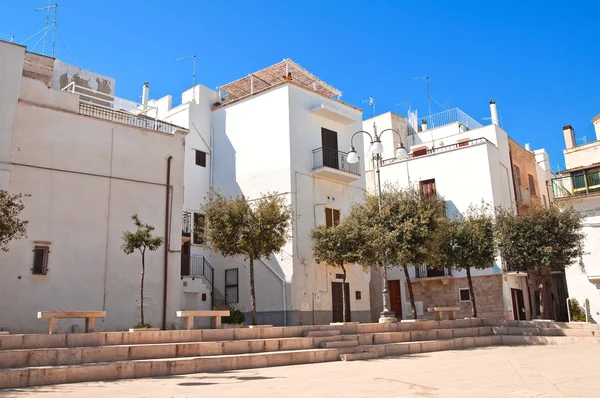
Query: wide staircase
(40,359)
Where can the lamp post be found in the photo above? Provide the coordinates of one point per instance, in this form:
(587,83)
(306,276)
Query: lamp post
(386,315)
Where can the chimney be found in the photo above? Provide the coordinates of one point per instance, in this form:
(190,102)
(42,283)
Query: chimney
(494,112)
(569,137)
(528,147)
(145,95)
(596,122)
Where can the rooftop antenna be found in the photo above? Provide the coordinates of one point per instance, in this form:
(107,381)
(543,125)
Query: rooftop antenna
(371,102)
(426,78)
(407,103)
(193,57)
(48,8)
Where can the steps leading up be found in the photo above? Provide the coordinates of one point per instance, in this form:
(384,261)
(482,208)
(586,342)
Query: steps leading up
(27,360)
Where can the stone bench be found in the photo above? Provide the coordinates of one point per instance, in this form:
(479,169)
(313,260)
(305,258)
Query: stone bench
(54,316)
(438,312)
(190,315)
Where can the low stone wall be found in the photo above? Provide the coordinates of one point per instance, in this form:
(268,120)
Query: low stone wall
(488,295)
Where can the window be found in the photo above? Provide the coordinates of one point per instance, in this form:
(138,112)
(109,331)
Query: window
(332,217)
(427,188)
(198,228)
(231,285)
(545,201)
(464,295)
(40,260)
(200,158)
(531,185)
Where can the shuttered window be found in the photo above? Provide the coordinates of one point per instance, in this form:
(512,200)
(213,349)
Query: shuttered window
(532,185)
(332,217)
(232,290)
(200,158)
(428,188)
(40,260)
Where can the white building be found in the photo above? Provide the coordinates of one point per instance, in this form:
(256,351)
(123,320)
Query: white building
(89,160)
(454,156)
(276,130)
(579,186)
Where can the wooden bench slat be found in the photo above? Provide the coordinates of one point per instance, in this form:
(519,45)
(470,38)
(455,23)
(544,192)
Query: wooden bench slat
(200,313)
(71,314)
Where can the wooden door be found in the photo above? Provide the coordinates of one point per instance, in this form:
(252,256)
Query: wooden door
(329,142)
(395,298)
(518,304)
(337,303)
(185,258)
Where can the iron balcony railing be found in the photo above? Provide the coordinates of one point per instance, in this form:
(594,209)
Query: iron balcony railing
(198,266)
(581,183)
(330,157)
(424,271)
(450,116)
(440,149)
(186,224)
(126,118)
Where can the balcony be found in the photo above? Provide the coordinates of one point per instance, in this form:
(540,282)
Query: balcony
(577,184)
(424,273)
(333,164)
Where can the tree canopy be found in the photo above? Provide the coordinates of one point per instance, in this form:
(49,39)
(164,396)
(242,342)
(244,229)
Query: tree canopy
(11,226)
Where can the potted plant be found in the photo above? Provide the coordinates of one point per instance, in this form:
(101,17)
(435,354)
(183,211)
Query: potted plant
(577,314)
(235,320)
(423,124)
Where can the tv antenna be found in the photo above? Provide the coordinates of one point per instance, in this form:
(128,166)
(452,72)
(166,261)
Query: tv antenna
(48,8)
(407,103)
(426,78)
(371,102)
(193,57)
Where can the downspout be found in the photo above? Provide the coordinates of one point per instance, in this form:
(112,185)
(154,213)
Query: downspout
(282,279)
(167,220)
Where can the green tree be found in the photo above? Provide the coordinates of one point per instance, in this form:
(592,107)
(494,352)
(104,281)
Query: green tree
(141,240)
(540,241)
(11,226)
(398,233)
(337,246)
(465,244)
(252,229)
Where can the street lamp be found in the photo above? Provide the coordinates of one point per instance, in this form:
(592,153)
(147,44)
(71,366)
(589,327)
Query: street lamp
(386,315)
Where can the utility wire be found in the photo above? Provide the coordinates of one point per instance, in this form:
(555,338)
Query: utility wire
(38,42)
(69,48)
(35,34)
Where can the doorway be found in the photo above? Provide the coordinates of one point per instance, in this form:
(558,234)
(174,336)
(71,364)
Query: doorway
(337,303)
(518,305)
(329,142)
(185,258)
(395,298)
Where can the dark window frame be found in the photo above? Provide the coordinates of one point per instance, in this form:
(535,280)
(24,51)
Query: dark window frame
(460,295)
(332,217)
(40,265)
(424,190)
(532,189)
(229,286)
(199,224)
(200,158)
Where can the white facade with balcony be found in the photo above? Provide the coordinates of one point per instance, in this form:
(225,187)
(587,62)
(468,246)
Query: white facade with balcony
(265,133)
(89,164)
(465,163)
(579,186)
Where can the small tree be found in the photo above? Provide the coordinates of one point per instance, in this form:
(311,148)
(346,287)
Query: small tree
(465,244)
(141,240)
(11,226)
(252,229)
(540,241)
(337,246)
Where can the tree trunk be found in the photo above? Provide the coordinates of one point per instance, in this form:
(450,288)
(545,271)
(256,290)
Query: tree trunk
(471,293)
(142,290)
(344,296)
(410,292)
(252,292)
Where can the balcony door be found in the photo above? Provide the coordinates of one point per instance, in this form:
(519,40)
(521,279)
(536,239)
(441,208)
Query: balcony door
(329,142)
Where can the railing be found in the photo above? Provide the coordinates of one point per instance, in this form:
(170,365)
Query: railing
(329,157)
(578,184)
(200,267)
(186,224)
(115,109)
(450,116)
(424,271)
(444,148)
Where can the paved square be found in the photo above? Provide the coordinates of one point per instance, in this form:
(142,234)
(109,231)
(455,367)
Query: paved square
(538,371)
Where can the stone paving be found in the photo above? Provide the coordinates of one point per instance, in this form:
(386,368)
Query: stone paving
(530,371)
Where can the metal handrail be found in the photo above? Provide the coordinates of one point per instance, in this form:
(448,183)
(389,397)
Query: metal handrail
(422,272)
(576,184)
(331,157)
(450,116)
(443,149)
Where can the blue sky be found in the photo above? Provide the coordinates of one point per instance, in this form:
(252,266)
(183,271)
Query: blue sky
(539,59)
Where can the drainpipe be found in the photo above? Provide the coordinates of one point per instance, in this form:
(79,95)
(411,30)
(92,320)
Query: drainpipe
(167,220)
(282,279)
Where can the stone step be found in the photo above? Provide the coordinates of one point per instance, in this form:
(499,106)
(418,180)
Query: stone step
(115,353)
(321,333)
(340,344)
(46,375)
(531,331)
(549,340)
(358,356)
